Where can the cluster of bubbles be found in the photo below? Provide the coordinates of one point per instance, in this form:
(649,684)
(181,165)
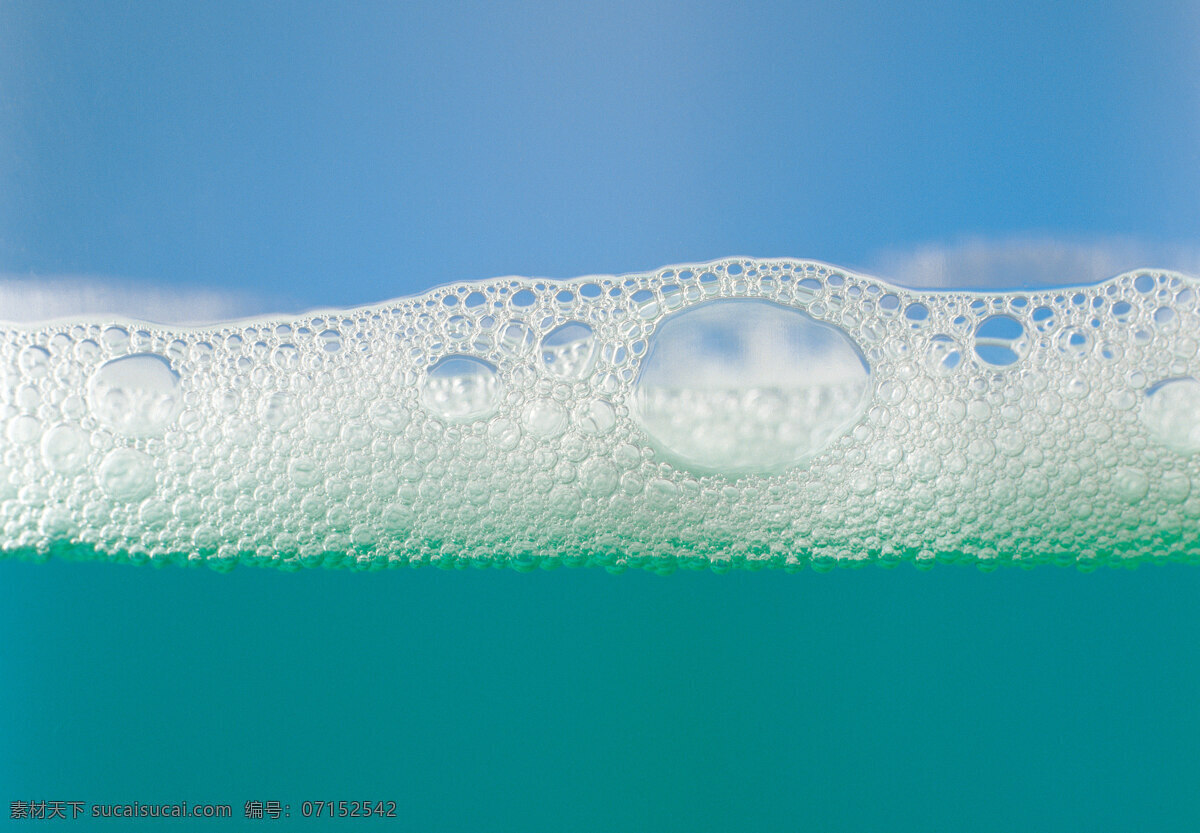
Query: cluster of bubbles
(739,413)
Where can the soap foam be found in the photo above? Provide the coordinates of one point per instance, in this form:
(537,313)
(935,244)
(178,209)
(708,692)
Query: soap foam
(739,413)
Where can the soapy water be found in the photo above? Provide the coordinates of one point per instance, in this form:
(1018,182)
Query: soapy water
(739,413)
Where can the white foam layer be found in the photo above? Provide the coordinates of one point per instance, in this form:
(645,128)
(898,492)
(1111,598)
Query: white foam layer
(742,412)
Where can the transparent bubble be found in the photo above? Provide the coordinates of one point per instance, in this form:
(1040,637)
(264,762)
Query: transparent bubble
(569,351)
(389,416)
(330,341)
(1001,341)
(65,449)
(34,362)
(594,416)
(741,386)
(279,411)
(1176,487)
(917,314)
(942,355)
(599,477)
(286,357)
(516,340)
(461,389)
(544,418)
(1170,413)
(504,434)
(1131,484)
(126,474)
(24,430)
(136,396)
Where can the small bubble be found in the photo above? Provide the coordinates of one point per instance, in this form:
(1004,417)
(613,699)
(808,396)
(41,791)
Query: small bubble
(1166,319)
(356,434)
(65,449)
(599,477)
(34,362)
(545,418)
(461,389)
(1044,319)
(389,416)
(87,351)
(942,355)
(116,339)
(397,518)
(56,522)
(516,340)
(594,416)
(981,450)
(304,472)
(1176,486)
(286,357)
(1131,484)
(1001,341)
(330,340)
(24,430)
(279,412)
(226,401)
(1169,413)
(661,493)
(917,314)
(504,434)
(154,513)
(126,474)
(1074,343)
(569,351)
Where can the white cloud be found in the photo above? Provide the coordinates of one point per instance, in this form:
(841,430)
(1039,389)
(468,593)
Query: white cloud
(1029,261)
(27,299)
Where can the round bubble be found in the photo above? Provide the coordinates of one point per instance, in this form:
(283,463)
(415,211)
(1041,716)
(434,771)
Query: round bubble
(126,474)
(744,386)
(389,416)
(1001,341)
(279,411)
(594,416)
(545,418)
(136,396)
(1170,414)
(569,351)
(1131,484)
(461,389)
(34,361)
(65,449)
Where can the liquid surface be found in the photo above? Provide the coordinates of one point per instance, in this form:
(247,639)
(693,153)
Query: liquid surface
(736,413)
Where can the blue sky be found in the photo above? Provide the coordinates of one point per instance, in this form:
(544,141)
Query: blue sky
(320,154)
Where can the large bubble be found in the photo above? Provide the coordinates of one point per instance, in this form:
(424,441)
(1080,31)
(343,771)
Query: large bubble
(461,389)
(739,387)
(137,395)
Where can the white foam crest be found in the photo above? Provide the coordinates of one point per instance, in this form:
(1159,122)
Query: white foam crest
(744,412)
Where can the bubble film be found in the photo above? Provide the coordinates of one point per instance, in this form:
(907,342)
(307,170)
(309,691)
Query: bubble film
(740,413)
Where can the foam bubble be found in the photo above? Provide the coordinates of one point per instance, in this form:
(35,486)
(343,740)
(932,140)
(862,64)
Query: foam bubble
(136,395)
(1172,414)
(736,413)
(126,474)
(744,386)
(460,388)
(569,350)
